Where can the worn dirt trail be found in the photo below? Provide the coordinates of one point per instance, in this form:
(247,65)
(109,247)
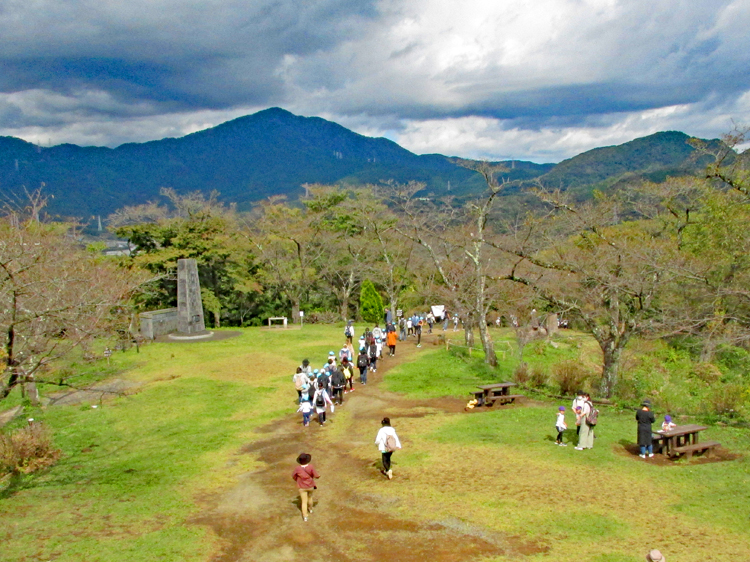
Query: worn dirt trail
(259,518)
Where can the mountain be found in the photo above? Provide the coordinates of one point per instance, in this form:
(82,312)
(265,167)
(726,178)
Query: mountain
(274,152)
(247,159)
(653,157)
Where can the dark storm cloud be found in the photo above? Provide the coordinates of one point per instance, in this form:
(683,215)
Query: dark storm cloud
(108,72)
(173,55)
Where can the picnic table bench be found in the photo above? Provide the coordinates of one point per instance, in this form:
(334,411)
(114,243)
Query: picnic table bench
(683,440)
(491,393)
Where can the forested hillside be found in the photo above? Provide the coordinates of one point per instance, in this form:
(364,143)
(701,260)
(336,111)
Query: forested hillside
(274,152)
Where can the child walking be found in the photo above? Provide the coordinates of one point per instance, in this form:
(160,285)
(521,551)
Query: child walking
(306,408)
(561,426)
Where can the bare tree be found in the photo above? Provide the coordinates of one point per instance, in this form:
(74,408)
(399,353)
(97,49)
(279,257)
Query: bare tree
(55,297)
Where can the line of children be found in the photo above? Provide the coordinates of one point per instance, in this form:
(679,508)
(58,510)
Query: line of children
(319,389)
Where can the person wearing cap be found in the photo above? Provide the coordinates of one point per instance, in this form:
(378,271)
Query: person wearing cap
(561,426)
(655,556)
(668,424)
(645,418)
(305,475)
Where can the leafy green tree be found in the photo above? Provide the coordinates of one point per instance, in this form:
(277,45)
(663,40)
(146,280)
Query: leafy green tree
(191,226)
(370,303)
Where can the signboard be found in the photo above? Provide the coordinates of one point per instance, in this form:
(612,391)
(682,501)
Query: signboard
(399,313)
(301,313)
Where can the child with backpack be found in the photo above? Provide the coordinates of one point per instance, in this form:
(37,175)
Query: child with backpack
(321,401)
(362,362)
(348,370)
(372,352)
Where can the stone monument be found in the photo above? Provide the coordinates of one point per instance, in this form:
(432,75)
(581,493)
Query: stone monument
(189,304)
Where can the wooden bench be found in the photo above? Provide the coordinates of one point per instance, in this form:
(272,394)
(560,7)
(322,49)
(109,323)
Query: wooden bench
(688,450)
(504,399)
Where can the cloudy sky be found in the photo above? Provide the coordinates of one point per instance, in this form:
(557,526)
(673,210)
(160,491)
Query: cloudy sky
(527,79)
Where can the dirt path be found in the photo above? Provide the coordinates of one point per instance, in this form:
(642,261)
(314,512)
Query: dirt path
(259,519)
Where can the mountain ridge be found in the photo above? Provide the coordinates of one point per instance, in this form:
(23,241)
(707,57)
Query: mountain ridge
(274,152)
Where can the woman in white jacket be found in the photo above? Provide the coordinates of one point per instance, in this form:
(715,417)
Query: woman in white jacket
(387,442)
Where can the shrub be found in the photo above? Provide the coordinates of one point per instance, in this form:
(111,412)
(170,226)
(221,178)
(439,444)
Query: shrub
(538,377)
(726,401)
(27,450)
(570,375)
(707,372)
(521,374)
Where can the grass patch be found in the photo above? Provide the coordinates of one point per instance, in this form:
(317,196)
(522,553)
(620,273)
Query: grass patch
(131,468)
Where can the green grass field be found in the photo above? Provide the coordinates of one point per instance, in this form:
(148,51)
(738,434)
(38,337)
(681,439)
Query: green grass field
(133,469)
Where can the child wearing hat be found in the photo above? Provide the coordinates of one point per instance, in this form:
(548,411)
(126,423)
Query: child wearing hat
(305,475)
(560,426)
(667,424)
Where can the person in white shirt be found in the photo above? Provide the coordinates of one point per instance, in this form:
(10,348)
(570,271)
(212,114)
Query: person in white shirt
(561,426)
(577,407)
(321,401)
(387,442)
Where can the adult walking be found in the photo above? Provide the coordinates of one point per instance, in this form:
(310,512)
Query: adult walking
(305,475)
(387,442)
(645,418)
(586,436)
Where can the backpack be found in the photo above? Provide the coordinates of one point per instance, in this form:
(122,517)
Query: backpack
(362,361)
(593,415)
(348,332)
(390,443)
(320,402)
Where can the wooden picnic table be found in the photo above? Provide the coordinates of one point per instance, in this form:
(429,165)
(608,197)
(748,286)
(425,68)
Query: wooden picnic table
(498,392)
(683,439)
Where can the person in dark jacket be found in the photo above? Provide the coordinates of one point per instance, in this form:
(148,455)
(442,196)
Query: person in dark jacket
(363,361)
(645,418)
(338,382)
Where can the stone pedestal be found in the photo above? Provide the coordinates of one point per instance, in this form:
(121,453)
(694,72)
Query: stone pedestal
(189,304)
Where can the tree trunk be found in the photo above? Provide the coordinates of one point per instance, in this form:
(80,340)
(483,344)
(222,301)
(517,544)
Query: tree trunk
(295,310)
(612,350)
(489,347)
(468,331)
(344,309)
(32,393)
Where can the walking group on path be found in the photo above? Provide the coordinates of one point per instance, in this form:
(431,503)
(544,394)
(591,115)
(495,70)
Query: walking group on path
(321,390)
